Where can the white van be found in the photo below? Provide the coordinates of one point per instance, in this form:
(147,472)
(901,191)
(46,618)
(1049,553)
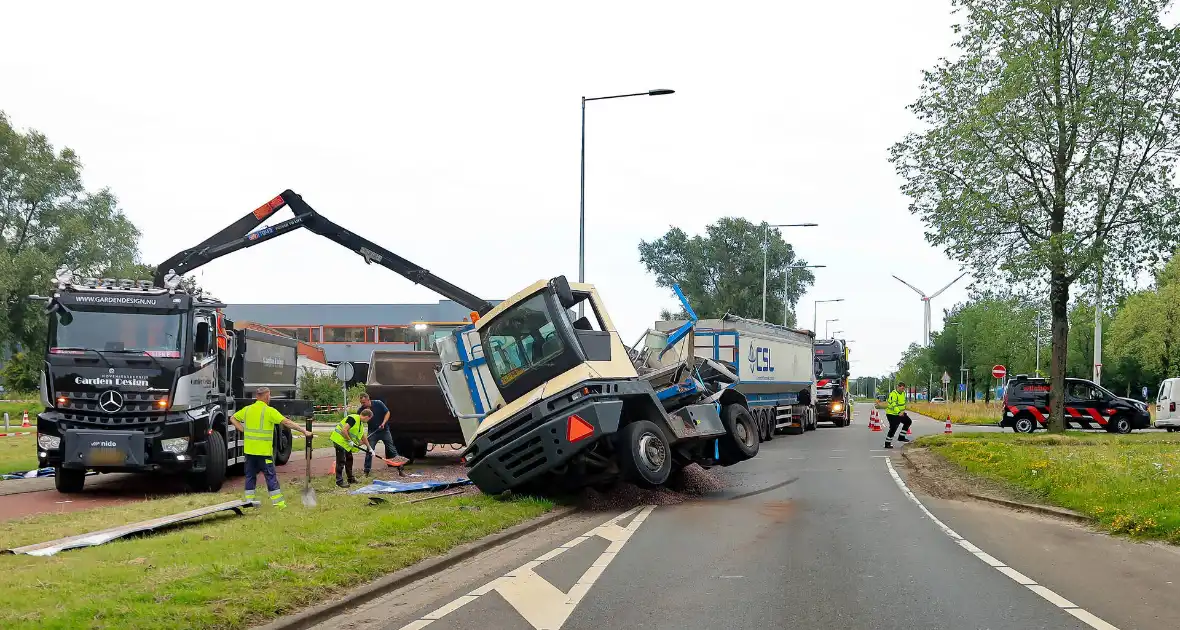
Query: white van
(1166,414)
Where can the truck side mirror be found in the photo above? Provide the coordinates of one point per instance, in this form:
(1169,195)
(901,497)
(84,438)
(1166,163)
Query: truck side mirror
(565,295)
(201,342)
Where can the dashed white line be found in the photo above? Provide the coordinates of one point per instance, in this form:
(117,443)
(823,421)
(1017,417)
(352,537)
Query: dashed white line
(1079,613)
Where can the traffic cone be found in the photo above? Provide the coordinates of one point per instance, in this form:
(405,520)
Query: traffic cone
(872,418)
(24,421)
(947,430)
(333,470)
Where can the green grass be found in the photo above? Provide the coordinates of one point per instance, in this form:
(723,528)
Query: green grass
(1130,484)
(18,453)
(14,409)
(959,412)
(228,571)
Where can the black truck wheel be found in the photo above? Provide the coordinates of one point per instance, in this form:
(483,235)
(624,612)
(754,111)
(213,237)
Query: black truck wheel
(406,448)
(210,479)
(740,441)
(69,480)
(770,414)
(644,454)
(283,445)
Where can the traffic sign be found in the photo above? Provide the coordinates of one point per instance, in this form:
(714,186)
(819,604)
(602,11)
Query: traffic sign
(1144,393)
(962,387)
(946,378)
(344,371)
(999,371)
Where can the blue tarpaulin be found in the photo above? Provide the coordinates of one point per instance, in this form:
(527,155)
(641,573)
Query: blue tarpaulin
(42,472)
(380,486)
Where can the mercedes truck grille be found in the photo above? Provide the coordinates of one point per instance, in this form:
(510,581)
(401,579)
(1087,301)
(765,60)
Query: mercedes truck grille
(133,402)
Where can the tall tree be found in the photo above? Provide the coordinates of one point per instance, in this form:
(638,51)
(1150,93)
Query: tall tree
(47,219)
(1048,145)
(721,271)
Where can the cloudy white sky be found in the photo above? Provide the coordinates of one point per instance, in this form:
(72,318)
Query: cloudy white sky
(449,133)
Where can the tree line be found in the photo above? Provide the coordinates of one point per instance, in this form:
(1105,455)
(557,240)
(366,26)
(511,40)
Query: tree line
(1140,344)
(49,219)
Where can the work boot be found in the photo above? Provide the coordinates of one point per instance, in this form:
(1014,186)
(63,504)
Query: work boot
(340,483)
(888,445)
(351,480)
(366,473)
(902,438)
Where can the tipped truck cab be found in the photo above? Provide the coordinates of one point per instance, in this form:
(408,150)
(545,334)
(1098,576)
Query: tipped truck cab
(1087,406)
(556,401)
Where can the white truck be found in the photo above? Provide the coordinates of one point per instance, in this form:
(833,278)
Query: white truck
(1166,414)
(775,367)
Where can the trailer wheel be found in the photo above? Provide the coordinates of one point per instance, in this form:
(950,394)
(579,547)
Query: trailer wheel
(69,480)
(213,476)
(283,445)
(769,415)
(740,441)
(644,454)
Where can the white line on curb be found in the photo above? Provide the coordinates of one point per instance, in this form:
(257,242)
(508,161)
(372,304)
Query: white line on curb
(1080,613)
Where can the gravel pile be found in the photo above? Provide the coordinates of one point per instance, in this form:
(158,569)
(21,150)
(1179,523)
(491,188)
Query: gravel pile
(696,483)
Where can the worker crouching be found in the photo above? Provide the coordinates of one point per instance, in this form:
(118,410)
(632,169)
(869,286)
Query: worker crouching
(348,437)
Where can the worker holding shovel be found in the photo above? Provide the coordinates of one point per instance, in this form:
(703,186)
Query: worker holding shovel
(348,437)
(256,423)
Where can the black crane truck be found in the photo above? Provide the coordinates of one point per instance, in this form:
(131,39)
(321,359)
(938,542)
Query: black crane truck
(832,402)
(141,376)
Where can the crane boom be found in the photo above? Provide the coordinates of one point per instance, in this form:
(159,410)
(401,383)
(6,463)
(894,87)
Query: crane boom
(242,234)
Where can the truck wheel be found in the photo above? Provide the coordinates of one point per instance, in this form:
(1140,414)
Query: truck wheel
(420,450)
(69,480)
(769,416)
(740,441)
(810,421)
(644,454)
(214,474)
(283,445)
(1024,424)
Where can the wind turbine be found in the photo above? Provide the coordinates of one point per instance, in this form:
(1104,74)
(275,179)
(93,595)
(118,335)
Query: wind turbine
(926,304)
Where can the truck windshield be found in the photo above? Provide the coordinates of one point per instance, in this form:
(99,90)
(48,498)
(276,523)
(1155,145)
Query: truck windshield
(157,334)
(831,368)
(524,347)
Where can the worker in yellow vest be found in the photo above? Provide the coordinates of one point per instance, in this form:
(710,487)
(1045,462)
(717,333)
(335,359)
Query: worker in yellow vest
(348,437)
(895,413)
(256,423)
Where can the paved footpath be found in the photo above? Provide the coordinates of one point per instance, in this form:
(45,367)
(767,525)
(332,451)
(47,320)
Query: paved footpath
(818,531)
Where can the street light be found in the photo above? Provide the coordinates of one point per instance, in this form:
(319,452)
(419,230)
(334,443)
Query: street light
(815,312)
(826,322)
(962,354)
(766,251)
(786,306)
(582,195)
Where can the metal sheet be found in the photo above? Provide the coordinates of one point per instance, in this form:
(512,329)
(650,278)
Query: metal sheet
(106,535)
(380,486)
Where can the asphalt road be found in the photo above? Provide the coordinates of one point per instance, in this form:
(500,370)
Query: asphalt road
(813,533)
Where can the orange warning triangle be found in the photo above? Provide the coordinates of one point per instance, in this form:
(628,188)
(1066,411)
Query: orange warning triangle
(578,429)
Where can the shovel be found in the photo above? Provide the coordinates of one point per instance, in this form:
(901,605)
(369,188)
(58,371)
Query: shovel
(308,491)
(400,472)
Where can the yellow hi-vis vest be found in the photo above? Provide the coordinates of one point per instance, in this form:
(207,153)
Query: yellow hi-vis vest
(895,404)
(259,420)
(342,428)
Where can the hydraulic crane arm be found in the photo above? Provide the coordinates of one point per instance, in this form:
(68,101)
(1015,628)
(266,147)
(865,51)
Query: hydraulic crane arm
(242,234)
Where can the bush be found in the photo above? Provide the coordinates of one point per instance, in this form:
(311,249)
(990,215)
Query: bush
(327,390)
(21,373)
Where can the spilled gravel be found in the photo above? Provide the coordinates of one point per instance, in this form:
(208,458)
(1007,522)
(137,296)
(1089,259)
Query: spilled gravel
(695,483)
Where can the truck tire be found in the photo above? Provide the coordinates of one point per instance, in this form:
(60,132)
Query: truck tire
(810,420)
(420,450)
(1119,424)
(644,454)
(1024,423)
(769,415)
(69,480)
(405,447)
(740,441)
(211,479)
(283,445)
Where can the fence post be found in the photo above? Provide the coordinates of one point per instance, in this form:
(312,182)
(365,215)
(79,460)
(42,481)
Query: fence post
(6,422)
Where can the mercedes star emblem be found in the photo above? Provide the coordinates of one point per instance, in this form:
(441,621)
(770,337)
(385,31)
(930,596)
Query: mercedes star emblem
(110,401)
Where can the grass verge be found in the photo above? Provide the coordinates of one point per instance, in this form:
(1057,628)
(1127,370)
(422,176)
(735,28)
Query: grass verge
(228,571)
(1129,484)
(14,408)
(959,412)
(18,454)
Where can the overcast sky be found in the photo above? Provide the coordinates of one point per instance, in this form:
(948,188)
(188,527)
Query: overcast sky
(449,133)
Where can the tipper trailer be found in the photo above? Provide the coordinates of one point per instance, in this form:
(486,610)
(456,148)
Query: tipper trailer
(773,364)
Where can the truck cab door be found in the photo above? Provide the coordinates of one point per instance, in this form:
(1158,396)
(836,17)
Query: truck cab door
(1165,405)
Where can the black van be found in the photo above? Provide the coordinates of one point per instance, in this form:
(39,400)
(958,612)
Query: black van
(1087,405)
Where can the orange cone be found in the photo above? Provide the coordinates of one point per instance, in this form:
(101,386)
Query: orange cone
(333,470)
(948,426)
(24,421)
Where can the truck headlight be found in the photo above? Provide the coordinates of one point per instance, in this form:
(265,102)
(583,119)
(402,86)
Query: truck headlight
(837,407)
(48,442)
(174,445)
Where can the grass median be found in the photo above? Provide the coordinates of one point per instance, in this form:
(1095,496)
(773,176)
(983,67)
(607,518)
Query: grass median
(228,571)
(1130,484)
(14,409)
(18,454)
(959,412)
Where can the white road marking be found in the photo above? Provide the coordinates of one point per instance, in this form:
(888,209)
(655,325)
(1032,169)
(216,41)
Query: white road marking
(1080,613)
(543,605)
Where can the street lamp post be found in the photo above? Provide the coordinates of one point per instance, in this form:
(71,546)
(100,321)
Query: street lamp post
(815,312)
(766,252)
(962,356)
(786,304)
(582,195)
(826,322)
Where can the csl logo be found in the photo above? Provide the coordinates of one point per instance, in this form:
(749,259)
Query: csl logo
(759,359)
